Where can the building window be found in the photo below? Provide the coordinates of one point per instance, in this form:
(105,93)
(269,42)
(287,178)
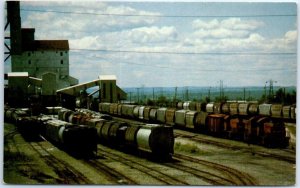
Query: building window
(61,62)
(61,53)
(29,62)
(28,54)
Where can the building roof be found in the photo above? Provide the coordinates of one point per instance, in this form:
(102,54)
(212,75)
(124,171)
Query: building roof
(107,77)
(18,74)
(51,44)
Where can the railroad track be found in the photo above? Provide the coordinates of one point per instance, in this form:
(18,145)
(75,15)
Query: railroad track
(164,178)
(110,173)
(234,177)
(196,138)
(67,174)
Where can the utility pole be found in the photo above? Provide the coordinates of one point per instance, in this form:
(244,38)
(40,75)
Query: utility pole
(265,92)
(271,89)
(221,90)
(175,96)
(187,93)
(244,94)
(138,94)
(209,93)
(153,94)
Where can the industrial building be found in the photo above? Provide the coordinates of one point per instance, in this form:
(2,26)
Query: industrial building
(41,68)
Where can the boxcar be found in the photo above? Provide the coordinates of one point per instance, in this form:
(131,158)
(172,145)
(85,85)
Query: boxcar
(215,124)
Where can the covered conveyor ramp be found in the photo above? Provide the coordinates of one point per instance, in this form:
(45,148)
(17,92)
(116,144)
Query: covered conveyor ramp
(108,92)
(75,90)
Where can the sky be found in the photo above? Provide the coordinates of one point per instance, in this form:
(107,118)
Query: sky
(169,44)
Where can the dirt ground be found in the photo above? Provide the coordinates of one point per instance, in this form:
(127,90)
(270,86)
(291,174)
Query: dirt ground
(24,165)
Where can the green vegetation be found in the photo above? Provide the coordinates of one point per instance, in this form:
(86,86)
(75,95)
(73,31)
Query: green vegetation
(170,96)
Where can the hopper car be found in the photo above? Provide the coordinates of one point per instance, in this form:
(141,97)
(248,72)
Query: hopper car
(233,120)
(77,139)
(156,139)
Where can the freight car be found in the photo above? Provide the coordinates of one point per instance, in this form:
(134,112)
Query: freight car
(76,139)
(158,140)
(80,139)
(234,120)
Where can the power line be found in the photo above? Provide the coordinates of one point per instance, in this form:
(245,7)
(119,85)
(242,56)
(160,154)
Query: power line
(158,15)
(189,53)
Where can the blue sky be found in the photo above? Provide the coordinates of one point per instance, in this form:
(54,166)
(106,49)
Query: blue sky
(156,44)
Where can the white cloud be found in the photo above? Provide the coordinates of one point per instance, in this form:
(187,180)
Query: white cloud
(155,34)
(152,34)
(238,24)
(103,19)
(228,28)
(291,36)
